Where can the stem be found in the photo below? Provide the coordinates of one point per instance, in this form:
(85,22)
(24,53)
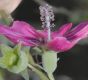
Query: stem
(51,76)
(41,75)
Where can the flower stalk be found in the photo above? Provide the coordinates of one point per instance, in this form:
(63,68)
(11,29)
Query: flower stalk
(51,76)
(41,75)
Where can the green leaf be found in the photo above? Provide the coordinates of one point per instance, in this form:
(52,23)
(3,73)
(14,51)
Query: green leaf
(4,40)
(8,57)
(25,74)
(17,48)
(21,64)
(49,60)
(5,49)
(13,59)
(30,58)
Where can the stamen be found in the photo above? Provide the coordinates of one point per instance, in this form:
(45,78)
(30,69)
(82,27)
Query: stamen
(47,17)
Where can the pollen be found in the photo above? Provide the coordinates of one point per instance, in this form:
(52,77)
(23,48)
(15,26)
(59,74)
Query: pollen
(47,17)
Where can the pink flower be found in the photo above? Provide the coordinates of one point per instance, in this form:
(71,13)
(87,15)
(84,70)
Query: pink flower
(61,40)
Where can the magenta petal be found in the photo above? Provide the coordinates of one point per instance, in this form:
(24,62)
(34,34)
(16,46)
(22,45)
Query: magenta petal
(64,29)
(10,34)
(15,37)
(76,29)
(75,38)
(4,30)
(24,28)
(59,44)
(80,33)
(43,34)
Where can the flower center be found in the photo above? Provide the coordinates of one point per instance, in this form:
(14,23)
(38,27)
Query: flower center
(47,17)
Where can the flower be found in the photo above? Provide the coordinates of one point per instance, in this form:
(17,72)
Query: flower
(61,40)
(9,5)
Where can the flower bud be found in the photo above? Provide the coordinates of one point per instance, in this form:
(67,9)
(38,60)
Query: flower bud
(9,5)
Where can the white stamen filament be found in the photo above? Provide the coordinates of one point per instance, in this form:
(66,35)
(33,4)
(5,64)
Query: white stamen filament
(47,17)
(48,25)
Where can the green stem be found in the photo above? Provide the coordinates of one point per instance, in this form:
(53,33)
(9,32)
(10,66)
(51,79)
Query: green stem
(41,75)
(51,76)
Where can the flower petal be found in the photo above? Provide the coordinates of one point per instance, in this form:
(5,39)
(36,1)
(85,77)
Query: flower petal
(24,28)
(4,30)
(76,29)
(59,44)
(80,32)
(64,28)
(75,38)
(16,37)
